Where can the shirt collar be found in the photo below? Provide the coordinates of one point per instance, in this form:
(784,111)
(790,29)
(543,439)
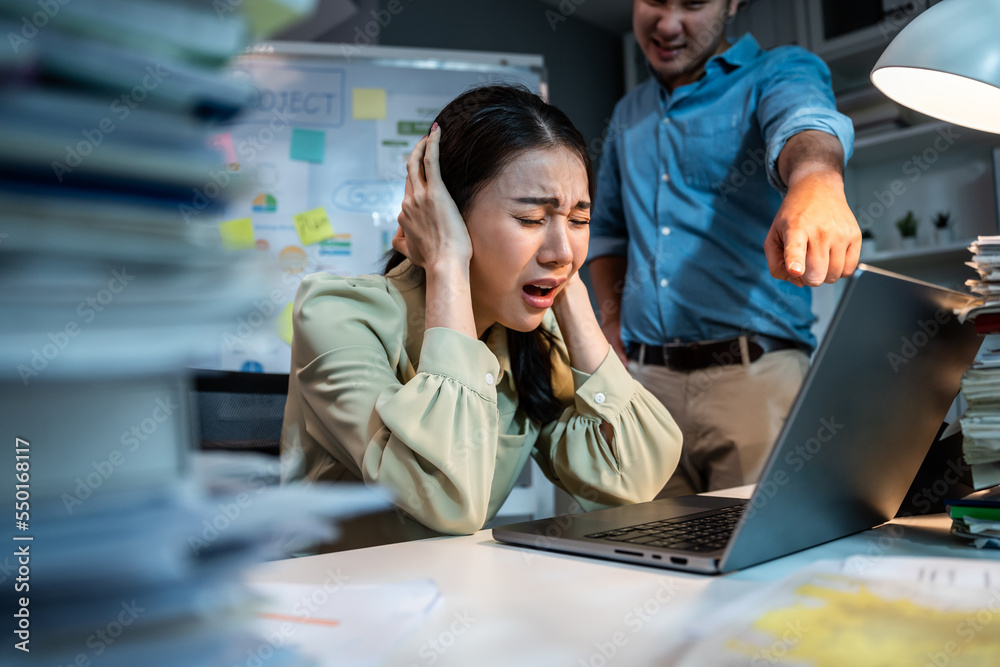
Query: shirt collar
(497,342)
(743,52)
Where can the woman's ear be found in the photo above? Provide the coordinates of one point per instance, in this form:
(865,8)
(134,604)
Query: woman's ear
(399,242)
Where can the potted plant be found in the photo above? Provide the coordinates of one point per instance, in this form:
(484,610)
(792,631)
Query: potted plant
(907,226)
(867,243)
(943,231)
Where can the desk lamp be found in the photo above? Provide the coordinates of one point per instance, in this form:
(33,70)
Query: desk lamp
(946,63)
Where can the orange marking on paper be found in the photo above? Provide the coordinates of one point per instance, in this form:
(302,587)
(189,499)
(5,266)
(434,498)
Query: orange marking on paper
(296,619)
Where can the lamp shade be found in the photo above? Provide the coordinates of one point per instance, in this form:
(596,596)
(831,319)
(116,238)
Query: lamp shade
(946,64)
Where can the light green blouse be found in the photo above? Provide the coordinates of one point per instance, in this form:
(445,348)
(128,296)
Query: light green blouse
(433,415)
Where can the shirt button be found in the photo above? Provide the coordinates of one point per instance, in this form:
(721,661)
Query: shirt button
(665,231)
(489,378)
(599,398)
(664,282)
(666,120)
(665,178)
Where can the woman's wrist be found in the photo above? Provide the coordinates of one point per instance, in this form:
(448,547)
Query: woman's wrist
(449,297)
(582,333)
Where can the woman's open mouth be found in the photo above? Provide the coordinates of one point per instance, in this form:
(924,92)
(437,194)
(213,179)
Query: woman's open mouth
(540,295)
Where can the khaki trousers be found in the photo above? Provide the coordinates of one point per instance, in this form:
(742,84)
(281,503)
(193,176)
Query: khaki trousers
(730,416)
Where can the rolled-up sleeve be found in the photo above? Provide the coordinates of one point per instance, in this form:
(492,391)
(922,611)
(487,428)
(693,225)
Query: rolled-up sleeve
(432,439)
(641,456)
(795,95)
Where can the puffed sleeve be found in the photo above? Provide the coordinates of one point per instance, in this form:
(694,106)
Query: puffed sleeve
(428,434)
(641,456)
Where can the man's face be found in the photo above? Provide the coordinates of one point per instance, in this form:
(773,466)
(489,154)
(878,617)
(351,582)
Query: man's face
(679,36)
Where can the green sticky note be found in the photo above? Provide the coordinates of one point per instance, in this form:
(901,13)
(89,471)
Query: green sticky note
(308,145)
(237,234)
(284,324)
(313,226)
(369,104)
(267,17)
(413,128)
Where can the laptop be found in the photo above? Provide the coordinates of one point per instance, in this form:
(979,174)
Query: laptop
(879,386)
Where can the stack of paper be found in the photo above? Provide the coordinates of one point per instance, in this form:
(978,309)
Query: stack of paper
(116,555)
(105,129)
(981,383)
(977,518)
(154,576)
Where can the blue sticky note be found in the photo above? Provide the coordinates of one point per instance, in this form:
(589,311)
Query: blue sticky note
(308,145)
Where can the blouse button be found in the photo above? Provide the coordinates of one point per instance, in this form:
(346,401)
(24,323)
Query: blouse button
(599,398)
(489,379)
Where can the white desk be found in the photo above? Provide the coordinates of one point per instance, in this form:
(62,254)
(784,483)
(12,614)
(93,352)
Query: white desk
(504,605)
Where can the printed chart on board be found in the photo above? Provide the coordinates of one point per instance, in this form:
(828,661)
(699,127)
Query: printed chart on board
(320,160)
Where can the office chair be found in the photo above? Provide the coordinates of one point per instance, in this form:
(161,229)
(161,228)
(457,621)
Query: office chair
(236,411)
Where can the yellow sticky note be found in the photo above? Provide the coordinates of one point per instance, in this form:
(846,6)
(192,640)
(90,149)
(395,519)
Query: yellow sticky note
(284,324)
(313,226)
(237,234)
(369,103)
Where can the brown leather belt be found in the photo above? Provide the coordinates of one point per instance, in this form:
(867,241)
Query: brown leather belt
(688,357)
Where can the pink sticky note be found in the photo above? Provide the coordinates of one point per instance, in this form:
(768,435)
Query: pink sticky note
(224,144)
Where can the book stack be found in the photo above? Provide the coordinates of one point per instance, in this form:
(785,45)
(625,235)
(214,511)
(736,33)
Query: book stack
(981,382)
(977,517)
(121,556)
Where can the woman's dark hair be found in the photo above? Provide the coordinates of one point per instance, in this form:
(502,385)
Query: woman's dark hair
(482,131)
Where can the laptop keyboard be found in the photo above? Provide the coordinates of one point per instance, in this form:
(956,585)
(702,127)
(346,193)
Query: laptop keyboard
(702,533)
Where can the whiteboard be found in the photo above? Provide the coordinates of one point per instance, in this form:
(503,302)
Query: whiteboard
(328,134)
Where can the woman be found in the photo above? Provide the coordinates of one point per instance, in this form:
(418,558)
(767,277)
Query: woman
(478,348)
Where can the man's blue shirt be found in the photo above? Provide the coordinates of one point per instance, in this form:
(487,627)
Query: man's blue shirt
(688,188)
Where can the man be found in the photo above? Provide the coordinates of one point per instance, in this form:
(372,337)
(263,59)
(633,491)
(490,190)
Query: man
(701,268)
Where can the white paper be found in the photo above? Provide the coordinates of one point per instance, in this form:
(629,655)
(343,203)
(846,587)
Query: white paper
(338,624)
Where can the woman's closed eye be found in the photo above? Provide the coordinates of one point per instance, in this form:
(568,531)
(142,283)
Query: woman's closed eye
(541,221)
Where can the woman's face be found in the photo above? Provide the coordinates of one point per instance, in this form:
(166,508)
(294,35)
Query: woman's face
(529,231)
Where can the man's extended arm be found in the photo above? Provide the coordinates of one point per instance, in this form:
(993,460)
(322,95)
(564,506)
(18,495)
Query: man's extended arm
(607,277)
(815,237)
